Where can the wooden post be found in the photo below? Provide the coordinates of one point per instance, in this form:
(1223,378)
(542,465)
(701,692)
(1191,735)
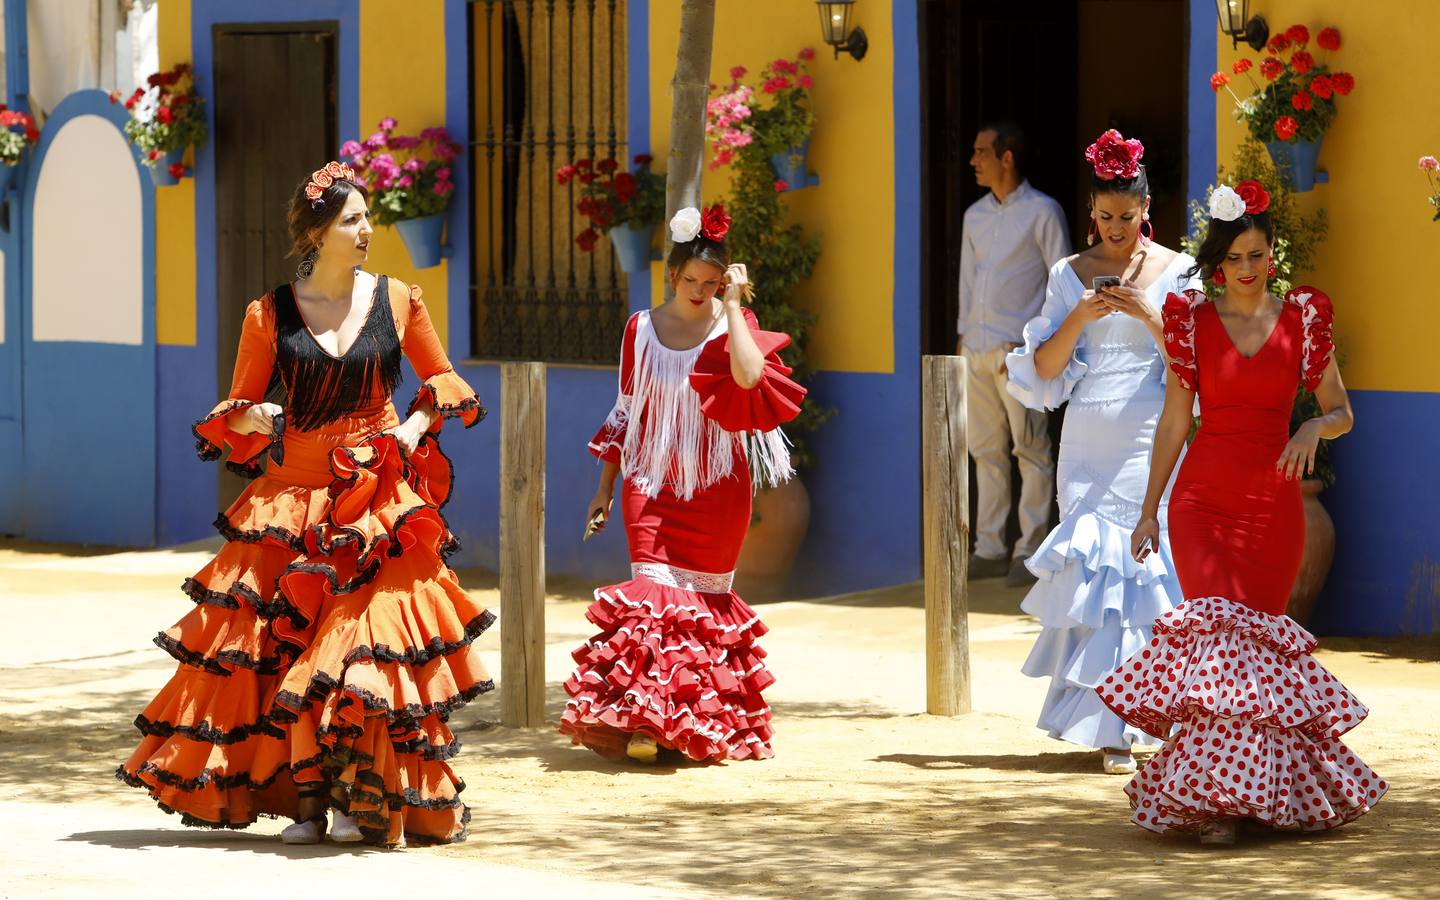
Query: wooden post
(522,544)
(946,488)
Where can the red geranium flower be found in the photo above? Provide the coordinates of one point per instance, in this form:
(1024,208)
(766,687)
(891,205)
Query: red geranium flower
(807,54)
(164,115)
(781,186)
(1343,82)
(1329,39)
(1285,128)
(564,174)
(807,82)
(582,165)
(606,166)
(587,238)
(1302,62)
(1302,101)
(177,170)
(643,159)
(626,187)
(1271,68)
(738,72)
(587,177)
(1218,81)
(776,85)
(1113,156)
(1298,34)
(785,66)
(114,96)
(154,155)
(1242,66)
(1257,200)
(1322,87)
(714,223)
(1278,43)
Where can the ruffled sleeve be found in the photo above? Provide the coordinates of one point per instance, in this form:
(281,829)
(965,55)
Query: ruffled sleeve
(608,442)
(254,363)
(1317,319)
(448,394)
(1179,330)
(773,401)
(1025,383)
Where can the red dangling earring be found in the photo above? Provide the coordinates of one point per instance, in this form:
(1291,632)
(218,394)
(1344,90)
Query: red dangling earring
(1094,234)
(1272,268)
(1219,276)
(1146,230)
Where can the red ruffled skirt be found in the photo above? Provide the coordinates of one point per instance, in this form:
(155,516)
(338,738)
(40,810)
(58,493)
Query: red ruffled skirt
(1259,722)
(329,644)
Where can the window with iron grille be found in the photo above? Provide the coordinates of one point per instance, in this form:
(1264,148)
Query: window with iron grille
(547,88)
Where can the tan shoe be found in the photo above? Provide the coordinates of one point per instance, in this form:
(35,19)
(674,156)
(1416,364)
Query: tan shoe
(642,748)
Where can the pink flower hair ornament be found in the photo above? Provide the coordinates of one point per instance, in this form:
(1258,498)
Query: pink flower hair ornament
(322,178)
(1112,156)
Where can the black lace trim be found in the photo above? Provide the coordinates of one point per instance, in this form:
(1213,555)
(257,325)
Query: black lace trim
(289,704)
(432,649)
(217,664)
(449,410)
(271,532)
(203,595)
(205,733)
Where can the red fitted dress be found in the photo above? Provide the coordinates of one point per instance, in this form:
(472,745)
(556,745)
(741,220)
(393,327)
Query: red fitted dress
(1259,719)
(676,655)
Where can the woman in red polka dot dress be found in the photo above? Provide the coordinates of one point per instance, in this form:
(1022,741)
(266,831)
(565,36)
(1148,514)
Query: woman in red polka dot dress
(1258,720)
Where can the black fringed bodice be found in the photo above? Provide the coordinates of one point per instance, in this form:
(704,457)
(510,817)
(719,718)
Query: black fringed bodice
(321,388)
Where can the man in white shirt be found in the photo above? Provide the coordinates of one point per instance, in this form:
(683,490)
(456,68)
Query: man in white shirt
(1012,237)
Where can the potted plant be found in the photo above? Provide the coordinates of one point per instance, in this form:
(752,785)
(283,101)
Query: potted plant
(1430,165)
(1291,111)
(779,257)
(17,134)
(626,205)
(781,127)
(167,117)
(411,180)
(1297,240)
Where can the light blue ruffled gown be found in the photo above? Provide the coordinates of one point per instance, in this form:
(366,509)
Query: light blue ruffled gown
(1096,605)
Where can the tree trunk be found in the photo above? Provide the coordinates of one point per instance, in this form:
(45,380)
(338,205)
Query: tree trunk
(689,90)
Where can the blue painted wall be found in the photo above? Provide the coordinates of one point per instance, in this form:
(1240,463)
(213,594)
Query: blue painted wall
(1200,144)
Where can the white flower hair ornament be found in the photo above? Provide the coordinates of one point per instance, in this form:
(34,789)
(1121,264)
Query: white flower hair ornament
(1225,204)
(685,225)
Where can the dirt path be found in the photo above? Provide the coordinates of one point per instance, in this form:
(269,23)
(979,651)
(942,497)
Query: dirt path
(866,796)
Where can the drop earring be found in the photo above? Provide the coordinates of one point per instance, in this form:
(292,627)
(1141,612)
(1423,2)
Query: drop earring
(1272,268)
(1094,234)
(1147,230)
(1219,276)
(307,266)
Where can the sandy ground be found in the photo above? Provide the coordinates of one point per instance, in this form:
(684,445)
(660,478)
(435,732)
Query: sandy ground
(867,796)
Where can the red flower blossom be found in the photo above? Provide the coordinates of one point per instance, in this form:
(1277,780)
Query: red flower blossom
(177,170)
(582,165)
(714,223)
(785,67)
(114,96)
(626,187)
(807,82)
(1278,44)
(1242,66)
(1302,101)
(1302,62)
(1114,157)
(1271,68)
(165,115)
(807,54)
(606,166)
(738,72)
(154,155)
(587,177)
(776,85)
(1285,128)
(564,174)
(1257,200)
(1329,39)
(781,186)
(1298,34)
(587,238)
(1218,81)
(1322,87)
(643,159)
(1343,83)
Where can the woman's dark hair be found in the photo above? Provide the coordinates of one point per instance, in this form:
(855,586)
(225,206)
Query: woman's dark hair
(702,248)
(1218,238)
(1138,187)
(308,218)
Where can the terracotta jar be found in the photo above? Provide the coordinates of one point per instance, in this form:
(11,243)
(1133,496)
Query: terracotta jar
(1318,555)
(781,518)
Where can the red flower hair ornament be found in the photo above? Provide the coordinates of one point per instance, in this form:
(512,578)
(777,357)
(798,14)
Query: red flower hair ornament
(321,179)
(1114,157)
(688,223)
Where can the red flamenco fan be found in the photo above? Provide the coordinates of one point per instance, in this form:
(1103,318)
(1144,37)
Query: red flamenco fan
(1260,724)
(771,403)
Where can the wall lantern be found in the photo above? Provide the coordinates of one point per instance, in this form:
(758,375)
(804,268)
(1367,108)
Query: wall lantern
(835,26)
(1236,21)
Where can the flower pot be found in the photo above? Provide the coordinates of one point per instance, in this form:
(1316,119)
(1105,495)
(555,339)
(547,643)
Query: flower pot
(791,167)
(632,247)
(422,238)
(781,518)
(160,170)
(1295,162)
(1316,558)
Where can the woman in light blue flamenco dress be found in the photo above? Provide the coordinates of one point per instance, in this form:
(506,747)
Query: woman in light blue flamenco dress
(1098,345)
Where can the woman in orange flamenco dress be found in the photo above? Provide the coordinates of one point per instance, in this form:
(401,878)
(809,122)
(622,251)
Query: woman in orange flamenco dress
(695,428)
(1257,719)
(329,641)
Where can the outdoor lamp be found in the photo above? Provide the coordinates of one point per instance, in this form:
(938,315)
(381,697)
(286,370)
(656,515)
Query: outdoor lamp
(835,27)
(1236,21)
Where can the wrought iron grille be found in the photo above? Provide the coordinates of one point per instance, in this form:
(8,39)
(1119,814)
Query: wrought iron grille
(547,88)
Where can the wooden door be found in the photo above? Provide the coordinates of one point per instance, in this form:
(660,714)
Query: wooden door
(275,123)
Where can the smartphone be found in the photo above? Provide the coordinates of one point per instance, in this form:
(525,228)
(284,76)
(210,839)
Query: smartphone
(1100,282)
(1146,548)
(593,527)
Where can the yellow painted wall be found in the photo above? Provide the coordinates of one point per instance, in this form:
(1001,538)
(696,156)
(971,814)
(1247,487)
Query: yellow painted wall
(402,74)
(853,208)
(1381,263)
(175,209)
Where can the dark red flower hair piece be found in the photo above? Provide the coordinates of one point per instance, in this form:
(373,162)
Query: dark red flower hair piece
(714,223)
(1114,157)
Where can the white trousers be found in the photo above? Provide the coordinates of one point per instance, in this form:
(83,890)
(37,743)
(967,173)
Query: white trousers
(999,425)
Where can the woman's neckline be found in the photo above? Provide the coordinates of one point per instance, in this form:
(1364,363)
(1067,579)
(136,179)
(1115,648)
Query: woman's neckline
(720,326)
(1069,267)
(364,324)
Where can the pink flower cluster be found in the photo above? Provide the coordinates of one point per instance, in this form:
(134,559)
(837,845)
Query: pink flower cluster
(726,116)
(385,161)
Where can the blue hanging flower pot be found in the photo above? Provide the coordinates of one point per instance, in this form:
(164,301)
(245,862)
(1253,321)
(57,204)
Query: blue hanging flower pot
(1295,161)
(160,171)
(792,167)
(632,247)
(423,238)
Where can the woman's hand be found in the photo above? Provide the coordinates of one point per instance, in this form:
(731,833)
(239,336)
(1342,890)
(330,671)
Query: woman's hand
(1091,308)
(736,282)
(1298,458)
(1145,538)
(409,432)
(256,419)
(600,506)
(1123,298)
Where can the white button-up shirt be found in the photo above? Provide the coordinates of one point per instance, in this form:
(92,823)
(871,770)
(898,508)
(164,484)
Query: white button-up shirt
(1007,249)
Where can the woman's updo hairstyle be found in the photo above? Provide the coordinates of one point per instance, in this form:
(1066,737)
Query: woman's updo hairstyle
(1115,166)
(1233,211)
(698,235)
(317,202)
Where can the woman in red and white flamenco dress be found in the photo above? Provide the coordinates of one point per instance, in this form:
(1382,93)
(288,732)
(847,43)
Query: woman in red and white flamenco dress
(1259,719)
(694,430)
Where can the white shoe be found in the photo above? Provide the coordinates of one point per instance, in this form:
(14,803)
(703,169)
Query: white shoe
(1119,764)
(344,830)
(308,832)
